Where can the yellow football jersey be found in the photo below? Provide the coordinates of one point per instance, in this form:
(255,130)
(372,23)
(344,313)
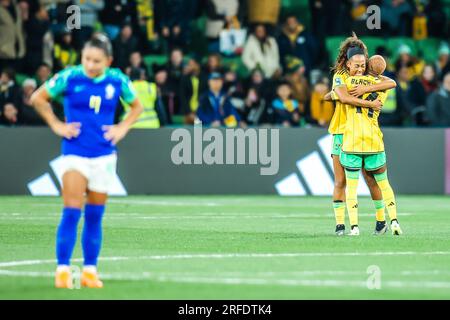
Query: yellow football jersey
(362,132)
(337,123)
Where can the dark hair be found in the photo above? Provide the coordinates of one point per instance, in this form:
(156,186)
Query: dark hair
(342,59)
(382,51)
(290,15)
(44,64)
(176,49)
(283,83)
(10,72)
(101,42)
(137,74)
(158,67)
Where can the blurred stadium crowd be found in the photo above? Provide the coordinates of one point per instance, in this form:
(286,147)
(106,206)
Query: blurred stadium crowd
(231,62)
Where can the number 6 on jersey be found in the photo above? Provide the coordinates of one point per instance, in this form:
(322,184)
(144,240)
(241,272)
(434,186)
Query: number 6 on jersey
(95,102)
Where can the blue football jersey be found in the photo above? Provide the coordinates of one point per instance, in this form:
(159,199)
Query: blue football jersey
(93,103)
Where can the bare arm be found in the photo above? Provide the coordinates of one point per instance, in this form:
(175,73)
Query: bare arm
(117,132)
(40,100)
(327,97)
(346,98)
(386,83)
(135,112)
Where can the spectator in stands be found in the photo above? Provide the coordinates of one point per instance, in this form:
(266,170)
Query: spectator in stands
(175,68)
(36,28)
(137,63)
(220,14)
(404,106)
(321,110)
(12,37)
(213,64)
(64,53)
(165,96)
(438,105)
(390,68)
(263,11)
(147,94)
(28,115)
(255,108)
(443,62)
(146,25)
(88,19)
(123,46)
(422,87)
(396,106)
(43,73)
(261,51)
(174,17)
(190,90)
(296,41)
(436,19)
(405,59)
(328,17)
(266,93)
(57,11)
(9,98)
(396,17)
(285,107)
(266,88)
(215,107)
(419,21)
(295,77)
(234,89)
(115,14)
(358,17)
(232,84)
(257,80)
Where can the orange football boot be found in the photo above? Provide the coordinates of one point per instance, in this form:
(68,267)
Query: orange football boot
(63,279)
(90,279)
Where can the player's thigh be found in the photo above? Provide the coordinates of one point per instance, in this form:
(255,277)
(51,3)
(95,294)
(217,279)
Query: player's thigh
(369,178)
(339,172)
(375,191)
(375,163)
(103,173)
(74,188)
(380,170)
(351,162)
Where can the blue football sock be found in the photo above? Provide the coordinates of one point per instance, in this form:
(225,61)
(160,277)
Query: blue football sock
(92,233)
(66,236)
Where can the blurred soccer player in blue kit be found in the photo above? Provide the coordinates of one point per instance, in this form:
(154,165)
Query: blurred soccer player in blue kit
(91,93)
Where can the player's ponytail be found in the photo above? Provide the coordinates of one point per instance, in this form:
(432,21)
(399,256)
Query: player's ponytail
(100,41)
(342,58)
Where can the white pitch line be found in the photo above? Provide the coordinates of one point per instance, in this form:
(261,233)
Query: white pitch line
(45,261)
(305,273)
(245,281)
(240,255)
(163,203)
(114,216)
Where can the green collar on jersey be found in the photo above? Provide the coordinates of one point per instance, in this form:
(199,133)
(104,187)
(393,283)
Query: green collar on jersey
(96,79)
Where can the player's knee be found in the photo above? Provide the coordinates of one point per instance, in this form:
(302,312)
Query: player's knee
(73,201)
(339,184)
(371,183)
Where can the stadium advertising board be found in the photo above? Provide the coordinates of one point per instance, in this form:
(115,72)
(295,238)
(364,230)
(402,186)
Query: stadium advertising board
(31,163)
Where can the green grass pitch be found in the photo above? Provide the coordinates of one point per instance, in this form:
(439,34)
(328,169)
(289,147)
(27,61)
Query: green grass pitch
(232,247)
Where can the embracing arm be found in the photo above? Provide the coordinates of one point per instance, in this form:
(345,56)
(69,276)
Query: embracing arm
(386,83)
(346,98)
(327,97)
